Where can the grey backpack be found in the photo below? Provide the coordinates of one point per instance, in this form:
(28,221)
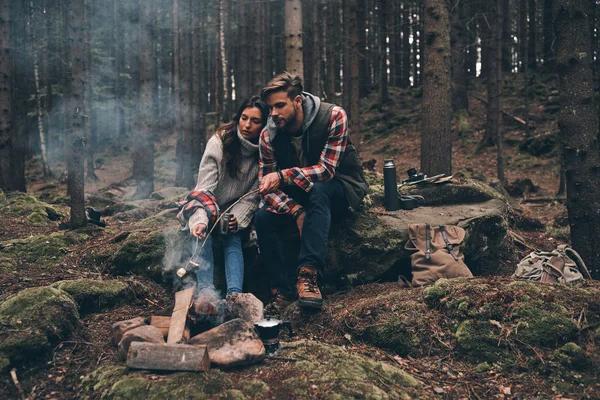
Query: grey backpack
(560,265)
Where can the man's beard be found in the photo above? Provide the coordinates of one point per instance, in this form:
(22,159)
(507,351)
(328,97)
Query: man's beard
(287,121)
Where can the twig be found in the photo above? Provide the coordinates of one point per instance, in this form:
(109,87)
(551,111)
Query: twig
(149,301)
(13,375)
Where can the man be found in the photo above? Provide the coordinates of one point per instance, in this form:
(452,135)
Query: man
(308,171)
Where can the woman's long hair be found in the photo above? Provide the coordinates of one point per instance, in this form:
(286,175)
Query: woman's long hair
(228,134)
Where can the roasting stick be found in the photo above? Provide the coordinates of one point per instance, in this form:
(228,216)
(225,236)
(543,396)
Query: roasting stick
(182,271)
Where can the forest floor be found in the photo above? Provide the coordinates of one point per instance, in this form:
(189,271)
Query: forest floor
(389,131)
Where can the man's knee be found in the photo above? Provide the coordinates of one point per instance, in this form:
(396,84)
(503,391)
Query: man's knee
(323,191)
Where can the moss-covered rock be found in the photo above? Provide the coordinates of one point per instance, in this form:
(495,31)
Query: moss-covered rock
(41,250)
(319,370)
(461,192)
(141,254)
(480,339)
(27,206)
(573,356)
(93,295)
(6,264)
(544,324)
(34,320)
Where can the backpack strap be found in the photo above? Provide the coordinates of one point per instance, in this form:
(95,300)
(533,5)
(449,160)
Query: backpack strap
(569,251)
(448,245)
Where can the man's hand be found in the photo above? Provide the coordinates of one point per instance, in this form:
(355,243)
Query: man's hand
(300,222)
(269,183)
(233,224)
(199,231)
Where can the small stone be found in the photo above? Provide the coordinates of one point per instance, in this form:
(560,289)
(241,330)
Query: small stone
(119,328)
(232,344)
(146,333)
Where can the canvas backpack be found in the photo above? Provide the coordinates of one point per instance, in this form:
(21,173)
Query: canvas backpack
(436,253)
(560,265)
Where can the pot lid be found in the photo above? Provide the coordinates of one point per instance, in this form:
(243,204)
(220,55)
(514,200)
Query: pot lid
(268,322)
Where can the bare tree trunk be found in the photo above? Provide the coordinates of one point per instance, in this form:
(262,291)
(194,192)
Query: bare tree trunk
(143,153)
(293,36)
(405,46)
(354,67)
(363,63)
(436,139)
(578,122)
(384,96)
(76,110)
(494,82)
(119,49)
(91,73)
(507,41)
(35,43)
(532,40)
(6,123)
(548,36)
(198,89)
(522,35)
(458,41)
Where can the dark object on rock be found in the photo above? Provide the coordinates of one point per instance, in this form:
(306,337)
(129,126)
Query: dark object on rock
(369,165)
(539,145)
(521,187)
(94,217)
(168,357)
(413,176)
(390,186)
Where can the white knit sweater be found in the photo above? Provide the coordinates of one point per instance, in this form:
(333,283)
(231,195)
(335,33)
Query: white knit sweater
(213,176)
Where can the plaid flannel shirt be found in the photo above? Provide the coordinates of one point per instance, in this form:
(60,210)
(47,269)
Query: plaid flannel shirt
(280,203)
(195,200)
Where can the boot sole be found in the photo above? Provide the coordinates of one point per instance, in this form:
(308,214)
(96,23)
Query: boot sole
(318,304)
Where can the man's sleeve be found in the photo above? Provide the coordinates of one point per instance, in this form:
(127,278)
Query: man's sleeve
(330,157)
(277,202)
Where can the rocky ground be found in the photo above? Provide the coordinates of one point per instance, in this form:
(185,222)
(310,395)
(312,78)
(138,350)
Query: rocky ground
(488,337)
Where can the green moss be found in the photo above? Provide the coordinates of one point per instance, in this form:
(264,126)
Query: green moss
(93,295)
(36,211)
(480,339)
(545,324)
(396,334)
(572,356)
(433,295)
(234,394)
(6,264)
(129,389)
(482,367)
(254,388)
(4,362)
(463,124)
(35,319)
(3,199)
(140,255)
(42,250)
(339,374)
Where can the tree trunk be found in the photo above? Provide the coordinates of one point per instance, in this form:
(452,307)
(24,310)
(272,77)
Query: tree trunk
(177,95)
(532,40)
(578,122)
(6,123)
(91,73)
(384,96)
(494,82)
(198,89)
(507,42)
(471,32)
(458,42)
(346,95)
(293,37)
(143,143)
(363,62)
(436,139)
(76,110)
(354,67)
(522,36)
(405,46)
(548,36)
(119,49)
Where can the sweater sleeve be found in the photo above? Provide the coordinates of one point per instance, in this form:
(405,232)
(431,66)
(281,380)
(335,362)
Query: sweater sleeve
(208,176)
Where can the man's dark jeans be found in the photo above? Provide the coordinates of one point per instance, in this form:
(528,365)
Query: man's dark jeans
(281,250)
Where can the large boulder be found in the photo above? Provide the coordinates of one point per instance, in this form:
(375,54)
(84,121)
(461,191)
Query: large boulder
(36,212)
(41,250)
(142,253)
(319,371)
(94,295)
(33,321)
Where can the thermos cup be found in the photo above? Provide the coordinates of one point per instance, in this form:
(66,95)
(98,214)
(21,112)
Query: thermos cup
(390,187)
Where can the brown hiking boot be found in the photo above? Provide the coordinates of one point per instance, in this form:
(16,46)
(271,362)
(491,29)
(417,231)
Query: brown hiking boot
(278,303)
(309,294)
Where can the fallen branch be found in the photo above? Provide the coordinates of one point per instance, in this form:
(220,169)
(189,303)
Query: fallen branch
(544,199)
(13,375)
(506,113)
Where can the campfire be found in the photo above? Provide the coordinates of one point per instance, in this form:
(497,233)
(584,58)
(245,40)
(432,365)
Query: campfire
(195,336)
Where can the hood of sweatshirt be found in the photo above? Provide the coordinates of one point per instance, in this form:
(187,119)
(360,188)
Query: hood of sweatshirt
(310,105)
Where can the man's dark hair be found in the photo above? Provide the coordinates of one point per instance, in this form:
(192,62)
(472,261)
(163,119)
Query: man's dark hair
(291,84)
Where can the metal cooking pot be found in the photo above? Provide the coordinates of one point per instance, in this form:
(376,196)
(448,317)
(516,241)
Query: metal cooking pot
(268,328)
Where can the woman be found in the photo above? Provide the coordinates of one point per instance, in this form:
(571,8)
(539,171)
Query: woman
(228,170)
